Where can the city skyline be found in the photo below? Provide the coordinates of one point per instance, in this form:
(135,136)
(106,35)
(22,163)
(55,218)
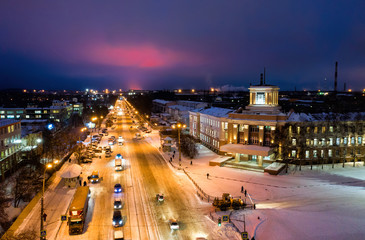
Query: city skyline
(189,45)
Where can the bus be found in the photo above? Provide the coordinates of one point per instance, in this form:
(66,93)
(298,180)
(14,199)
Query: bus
(78,210)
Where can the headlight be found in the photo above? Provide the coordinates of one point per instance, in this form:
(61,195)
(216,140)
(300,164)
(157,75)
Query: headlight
(113,222)
(120,222)
(120,206)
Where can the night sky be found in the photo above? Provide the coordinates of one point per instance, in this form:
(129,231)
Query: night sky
(181,44)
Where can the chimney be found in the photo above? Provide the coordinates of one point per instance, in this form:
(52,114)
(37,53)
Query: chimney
(336,77)
(261,79)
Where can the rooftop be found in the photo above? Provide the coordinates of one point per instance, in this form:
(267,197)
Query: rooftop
(5,122)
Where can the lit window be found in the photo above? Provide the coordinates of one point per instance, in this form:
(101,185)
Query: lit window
(331,141)
(307,154)
(316,130)
(10,116)
(315,153)
(234,125)
(353,140)
(359,140)
(323,141)
(331,128)
(338,141)
(322,153)
(323,129)
(38,111)
(330,153)
(345,140)
(294,141)
(294,153)
(307,142)
(315,142)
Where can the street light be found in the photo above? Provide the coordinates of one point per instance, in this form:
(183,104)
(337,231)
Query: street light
(48,166)
(179,126)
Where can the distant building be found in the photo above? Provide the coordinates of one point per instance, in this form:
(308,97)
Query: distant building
(10,145)
(261,134)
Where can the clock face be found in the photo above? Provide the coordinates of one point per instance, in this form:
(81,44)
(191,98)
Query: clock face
(260,98)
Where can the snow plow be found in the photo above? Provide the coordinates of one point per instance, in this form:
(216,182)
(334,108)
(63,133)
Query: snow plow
(227,202)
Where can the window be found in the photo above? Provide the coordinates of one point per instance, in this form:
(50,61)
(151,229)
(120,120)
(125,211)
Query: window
(323,141)
(298,130)
(2,116)
(323,129)
(331,128)
(345,140)
(359,140)
(37,111)
(314,153)
(294,153)
(234,125)
(260,98)
(307,154)
(338,141)
(10,116)
(294,141)
(307,142)
(322,153)
(330,153)
(331,141)
(315,142)
(316,130)
(352,140)
(308,129)
(225,125)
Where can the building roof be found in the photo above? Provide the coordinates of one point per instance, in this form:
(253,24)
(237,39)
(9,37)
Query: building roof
(5,122)
(214,111)
(161,101)
(308,117)
(180,107)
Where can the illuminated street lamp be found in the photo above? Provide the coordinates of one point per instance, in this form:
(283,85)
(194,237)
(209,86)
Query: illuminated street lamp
(48,166)
(179,126)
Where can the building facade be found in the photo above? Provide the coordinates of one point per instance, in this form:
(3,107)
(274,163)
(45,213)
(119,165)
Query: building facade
(10,145)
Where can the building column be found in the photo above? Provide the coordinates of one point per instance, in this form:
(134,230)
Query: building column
(259,161)
(238,157)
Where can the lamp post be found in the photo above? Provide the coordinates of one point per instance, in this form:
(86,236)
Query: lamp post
(42,199)
(179,126)
(94,119)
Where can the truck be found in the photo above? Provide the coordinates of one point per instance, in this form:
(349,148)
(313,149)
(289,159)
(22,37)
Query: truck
(78,210)
(118,164)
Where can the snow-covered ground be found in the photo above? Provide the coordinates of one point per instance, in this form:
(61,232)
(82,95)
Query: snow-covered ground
(307,204)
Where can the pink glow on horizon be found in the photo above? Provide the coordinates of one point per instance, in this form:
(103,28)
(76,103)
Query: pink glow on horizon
(144,56)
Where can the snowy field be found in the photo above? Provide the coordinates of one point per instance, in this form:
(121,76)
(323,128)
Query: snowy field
(307,204)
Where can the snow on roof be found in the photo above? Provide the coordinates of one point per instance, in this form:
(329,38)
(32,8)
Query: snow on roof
(161,101)
(180,107)
(214,111)
(308,117)
(5,122)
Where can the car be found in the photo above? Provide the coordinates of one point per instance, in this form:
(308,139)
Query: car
(106,134)
(101,135)
(118,235)
(174,224)
(98,150)
(94,177)
(108,148)
(86,159)
(117,218)
(118,204)
(119,156)
(118,188)
(112,137)
(160,197)
(108,154)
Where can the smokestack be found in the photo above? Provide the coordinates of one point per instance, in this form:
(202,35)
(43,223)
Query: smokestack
(261,79)
(336,77)
(264,76)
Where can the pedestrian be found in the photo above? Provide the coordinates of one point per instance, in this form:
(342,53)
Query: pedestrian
(173,155)
(85,183)
(245,193)
(207,175)
(80,182)
(174,152)
(69,160)
(44,216)
(170,159)
(242,189)
(191,162)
